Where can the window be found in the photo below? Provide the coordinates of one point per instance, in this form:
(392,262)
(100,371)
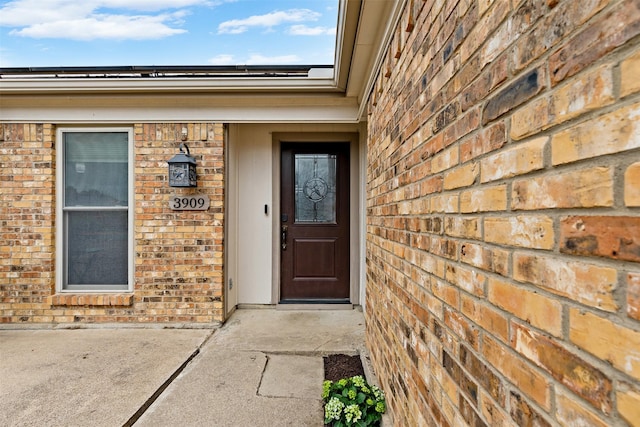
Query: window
(95,187)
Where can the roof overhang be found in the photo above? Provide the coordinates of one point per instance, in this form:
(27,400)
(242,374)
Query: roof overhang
(230,94)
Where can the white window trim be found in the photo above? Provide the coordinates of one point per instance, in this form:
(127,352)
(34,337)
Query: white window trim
(60,235)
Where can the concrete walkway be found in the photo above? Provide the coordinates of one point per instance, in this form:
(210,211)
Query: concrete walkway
(262,368)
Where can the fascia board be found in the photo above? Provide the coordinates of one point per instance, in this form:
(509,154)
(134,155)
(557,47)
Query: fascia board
(238,114)
(378,56)
(347,29)
(79,85)
(178,107)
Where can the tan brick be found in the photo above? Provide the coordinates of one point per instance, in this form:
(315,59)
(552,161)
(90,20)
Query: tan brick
(496,11)
(632,185)
(447,203)
(444,247)
(470,280)
(534,231)
(575,189)
(570,412)
(447,293)
(467,227)
(585,283)
(462,176)
(486,258)
(609,341)
(447,415)
(553,28)
(608,134)
(629,405)
(531,118)
(595,40)
(516,25)
(585,93)
(432,264)
(486,317)
(485,141)
(633,295)
(431,185)
(528,379)
(404,208)
(449,387)
(446,159)
(517,160)
(484,199)
(461,327)
(629,72)
(483,5)
(566,367)
(523,413)
(616,237)
(538,310)
(461,127)
(492,413)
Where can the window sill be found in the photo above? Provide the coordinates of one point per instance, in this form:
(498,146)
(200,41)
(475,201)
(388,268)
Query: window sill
(110,300)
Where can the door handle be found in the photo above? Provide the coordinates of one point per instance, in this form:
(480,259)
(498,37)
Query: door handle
(284,237)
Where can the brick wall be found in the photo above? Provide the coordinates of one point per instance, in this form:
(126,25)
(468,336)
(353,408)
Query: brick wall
(178,254)
(503,220)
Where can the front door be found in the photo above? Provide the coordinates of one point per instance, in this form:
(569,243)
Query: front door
(314,222)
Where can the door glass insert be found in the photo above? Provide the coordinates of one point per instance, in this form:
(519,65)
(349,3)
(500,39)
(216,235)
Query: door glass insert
(315,188)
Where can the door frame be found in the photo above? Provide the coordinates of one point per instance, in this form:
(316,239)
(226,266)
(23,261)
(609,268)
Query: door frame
(355,207)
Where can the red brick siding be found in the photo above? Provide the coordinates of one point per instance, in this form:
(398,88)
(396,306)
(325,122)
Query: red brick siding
(503,188)
(178,254)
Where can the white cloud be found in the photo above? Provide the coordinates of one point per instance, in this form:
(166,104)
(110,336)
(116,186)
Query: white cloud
(269,20)
(118,27)
(303,30)
(30,12)
(222,60)
(257,59)
(90,19)
(149,5)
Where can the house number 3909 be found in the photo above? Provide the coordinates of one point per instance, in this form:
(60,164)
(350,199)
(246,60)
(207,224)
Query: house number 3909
(199,202)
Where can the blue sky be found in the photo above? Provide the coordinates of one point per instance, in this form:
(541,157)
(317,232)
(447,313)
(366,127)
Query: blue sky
(58,33)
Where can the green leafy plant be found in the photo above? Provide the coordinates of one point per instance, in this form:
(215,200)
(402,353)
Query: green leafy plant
(352,402)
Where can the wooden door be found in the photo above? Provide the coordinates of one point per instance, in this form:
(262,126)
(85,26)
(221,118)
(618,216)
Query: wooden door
(314,226)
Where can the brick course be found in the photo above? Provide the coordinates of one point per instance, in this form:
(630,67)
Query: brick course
(178,254)
(514,295)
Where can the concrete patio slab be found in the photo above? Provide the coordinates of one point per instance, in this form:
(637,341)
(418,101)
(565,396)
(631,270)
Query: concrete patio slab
(292,376)
(86,377)
(264,367)
(300,332)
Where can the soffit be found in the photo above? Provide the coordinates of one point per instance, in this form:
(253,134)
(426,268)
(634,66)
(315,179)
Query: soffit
(179,107)
(364,27)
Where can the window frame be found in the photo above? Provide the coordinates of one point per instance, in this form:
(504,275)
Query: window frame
(61,226)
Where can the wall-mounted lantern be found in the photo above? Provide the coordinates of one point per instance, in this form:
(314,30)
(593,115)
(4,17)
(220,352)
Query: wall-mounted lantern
(182,169)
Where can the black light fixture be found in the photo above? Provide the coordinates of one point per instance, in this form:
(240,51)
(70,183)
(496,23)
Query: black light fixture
(182,169)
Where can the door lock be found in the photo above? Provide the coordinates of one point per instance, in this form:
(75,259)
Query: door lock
(284,237)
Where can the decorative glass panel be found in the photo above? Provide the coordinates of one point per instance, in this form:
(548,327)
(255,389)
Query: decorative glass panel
(96,169)
(315,188)
(97,247)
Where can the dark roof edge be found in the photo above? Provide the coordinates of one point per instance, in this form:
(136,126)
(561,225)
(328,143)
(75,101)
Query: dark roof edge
(151,70)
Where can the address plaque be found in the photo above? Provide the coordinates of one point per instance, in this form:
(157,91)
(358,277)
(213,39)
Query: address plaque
(198,202)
